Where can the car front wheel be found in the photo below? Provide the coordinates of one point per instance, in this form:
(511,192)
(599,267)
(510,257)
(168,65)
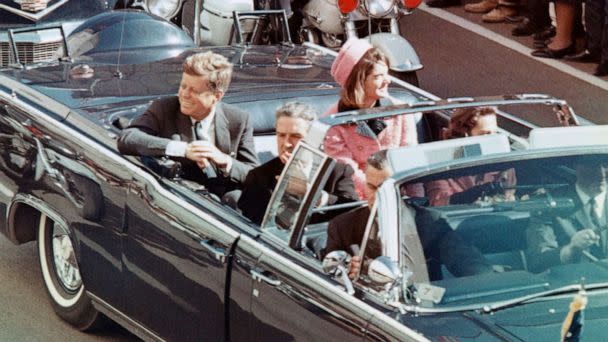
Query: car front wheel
(62,276)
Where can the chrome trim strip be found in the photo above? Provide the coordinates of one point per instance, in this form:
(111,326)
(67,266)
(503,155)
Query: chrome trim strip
(124,320)
(6,191)
(39,205)
(31,95)
(32,16)
(114,155)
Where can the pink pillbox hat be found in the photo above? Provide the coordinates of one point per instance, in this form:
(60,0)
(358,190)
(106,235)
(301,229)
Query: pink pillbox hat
(349,55)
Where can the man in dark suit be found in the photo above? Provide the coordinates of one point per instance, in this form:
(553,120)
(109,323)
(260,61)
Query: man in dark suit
(213,140)
(577,235)
(440,243)
(292,124)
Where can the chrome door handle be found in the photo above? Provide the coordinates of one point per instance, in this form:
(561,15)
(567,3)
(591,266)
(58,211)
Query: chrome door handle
(258,276)
(218,253)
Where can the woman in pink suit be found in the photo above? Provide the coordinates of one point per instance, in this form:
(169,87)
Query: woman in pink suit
(471,122)
(362,72)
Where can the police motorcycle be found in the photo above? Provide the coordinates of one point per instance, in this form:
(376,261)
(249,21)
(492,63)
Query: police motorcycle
(326,22)
(331,22)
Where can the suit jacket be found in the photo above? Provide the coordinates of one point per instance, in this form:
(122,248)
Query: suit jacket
(440,243)
(546,235)
(349,147)
(149,134)
(261,181)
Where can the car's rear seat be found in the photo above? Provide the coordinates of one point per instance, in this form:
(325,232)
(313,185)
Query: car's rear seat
(262,113)
(263,116)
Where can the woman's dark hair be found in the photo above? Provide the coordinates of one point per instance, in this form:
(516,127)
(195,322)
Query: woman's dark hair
(379,160)
(464,120)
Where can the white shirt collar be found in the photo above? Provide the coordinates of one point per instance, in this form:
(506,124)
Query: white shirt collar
(208,120)
(599,199)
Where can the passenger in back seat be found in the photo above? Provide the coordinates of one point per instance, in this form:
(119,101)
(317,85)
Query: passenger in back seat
(467,122)
(292,123)
(211,139)
(362,71)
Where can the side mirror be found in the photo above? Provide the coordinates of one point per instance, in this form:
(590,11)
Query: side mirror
(384,271)
(335,264)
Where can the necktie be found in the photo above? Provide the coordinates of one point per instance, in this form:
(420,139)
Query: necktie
(200,133)
(595,218)
(599,250)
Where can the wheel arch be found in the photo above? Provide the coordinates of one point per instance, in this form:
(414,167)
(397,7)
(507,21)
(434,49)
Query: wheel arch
(24,218)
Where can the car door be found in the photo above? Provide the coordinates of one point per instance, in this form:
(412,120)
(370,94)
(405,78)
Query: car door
(176,261)
(290,298)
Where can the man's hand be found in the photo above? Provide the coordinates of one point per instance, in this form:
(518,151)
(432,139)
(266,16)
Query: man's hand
(584,239)
(284,157)
(203,152)
(354,267)
(580,241)
(296,187)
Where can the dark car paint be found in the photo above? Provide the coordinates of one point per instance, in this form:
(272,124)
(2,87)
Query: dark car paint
(142,38)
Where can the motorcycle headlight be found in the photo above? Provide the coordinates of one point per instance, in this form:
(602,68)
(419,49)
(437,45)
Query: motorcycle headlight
(164,8)
(411,4)
(378,8)
(347,6)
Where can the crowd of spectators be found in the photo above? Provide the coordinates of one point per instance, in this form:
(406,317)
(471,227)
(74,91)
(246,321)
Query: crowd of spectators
(580,33)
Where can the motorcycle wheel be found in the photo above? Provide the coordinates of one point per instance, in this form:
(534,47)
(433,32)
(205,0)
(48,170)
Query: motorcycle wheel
(309,35)
(406,76)
(331,41)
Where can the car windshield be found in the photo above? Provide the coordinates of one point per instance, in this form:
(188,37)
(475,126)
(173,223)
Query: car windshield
(507,229)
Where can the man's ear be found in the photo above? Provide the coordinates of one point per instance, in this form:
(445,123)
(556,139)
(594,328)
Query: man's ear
(218,94)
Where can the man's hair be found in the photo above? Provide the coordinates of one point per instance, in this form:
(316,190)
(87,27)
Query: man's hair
(353,92)
(215,68)
(379,160)
(297,110)
(464,120)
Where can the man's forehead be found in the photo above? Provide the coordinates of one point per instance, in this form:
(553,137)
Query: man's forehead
(195,79)
(287,124)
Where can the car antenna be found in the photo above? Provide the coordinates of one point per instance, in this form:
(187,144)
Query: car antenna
(118,73)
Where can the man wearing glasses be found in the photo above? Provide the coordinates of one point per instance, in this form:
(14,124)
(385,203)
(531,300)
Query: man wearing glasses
(212,140)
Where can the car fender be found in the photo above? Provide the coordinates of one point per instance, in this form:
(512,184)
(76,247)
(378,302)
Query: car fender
(400,53)
(127,37)
(22,228)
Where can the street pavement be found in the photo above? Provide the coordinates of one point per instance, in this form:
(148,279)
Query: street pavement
(462,57)
(25,311)
(460,62)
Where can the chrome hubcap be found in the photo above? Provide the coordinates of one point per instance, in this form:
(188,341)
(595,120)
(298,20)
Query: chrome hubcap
(66,266)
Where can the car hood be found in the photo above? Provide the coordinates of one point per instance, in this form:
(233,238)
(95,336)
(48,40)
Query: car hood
(542,321)
(538,321)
